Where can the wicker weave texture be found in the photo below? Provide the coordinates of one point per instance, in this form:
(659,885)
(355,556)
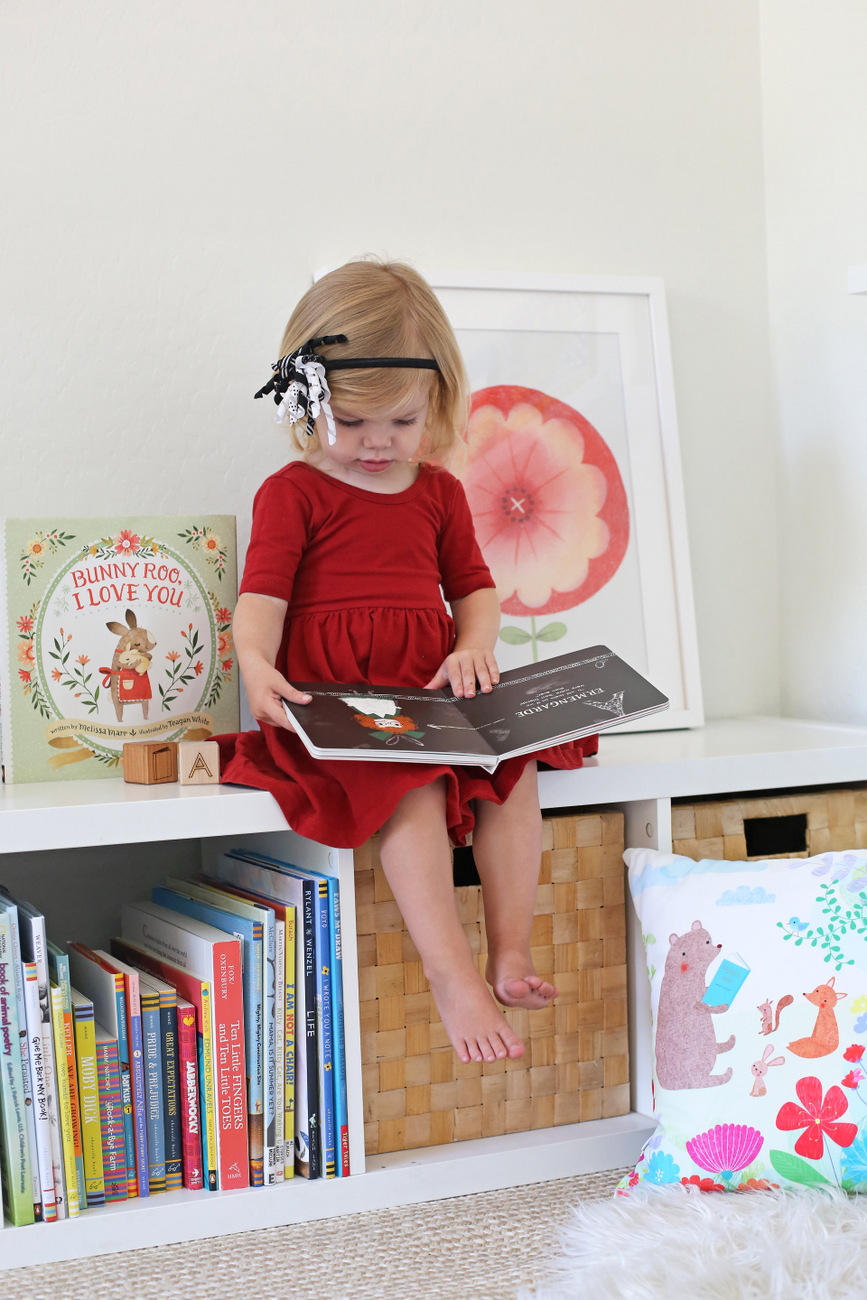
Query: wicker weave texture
(575,1067)
(836,820)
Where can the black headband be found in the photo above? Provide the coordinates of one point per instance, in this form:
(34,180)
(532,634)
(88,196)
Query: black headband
(298,379)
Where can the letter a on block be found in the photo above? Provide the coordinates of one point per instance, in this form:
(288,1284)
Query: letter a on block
(198,762)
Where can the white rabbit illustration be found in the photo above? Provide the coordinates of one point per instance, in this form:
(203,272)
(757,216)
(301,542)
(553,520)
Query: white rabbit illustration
(760,1069)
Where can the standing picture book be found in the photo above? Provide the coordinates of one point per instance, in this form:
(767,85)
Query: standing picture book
(531,708)
(113,630)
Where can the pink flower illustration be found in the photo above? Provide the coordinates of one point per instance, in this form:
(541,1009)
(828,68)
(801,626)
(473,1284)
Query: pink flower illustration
(852,1079)
(126,542)
(547,499)
(725,1148)
(816,1117)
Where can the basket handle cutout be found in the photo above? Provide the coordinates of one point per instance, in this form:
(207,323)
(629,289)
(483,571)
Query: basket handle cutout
(768,836)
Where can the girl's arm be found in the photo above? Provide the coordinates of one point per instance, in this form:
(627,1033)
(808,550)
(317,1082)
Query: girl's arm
(258,630)
(477,624)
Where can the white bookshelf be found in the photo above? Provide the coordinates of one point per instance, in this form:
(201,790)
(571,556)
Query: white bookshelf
(55,837)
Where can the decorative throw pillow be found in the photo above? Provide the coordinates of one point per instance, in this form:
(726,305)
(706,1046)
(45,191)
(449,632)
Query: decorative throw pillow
(758,975)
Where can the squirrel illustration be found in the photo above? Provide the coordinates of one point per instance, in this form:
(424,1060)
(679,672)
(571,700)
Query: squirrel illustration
(825,1037)
(686,1046)
(770,1025)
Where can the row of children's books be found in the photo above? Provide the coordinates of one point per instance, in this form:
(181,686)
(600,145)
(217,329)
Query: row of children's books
(204,1048)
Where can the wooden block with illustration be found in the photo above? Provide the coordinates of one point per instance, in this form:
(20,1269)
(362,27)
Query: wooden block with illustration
(150,762)
(198,762)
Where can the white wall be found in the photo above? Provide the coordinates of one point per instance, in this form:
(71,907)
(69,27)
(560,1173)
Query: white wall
(815,109)
(174,171)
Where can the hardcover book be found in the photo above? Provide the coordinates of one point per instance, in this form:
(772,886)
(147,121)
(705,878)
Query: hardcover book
(113,630)
(15,1147)
(530,708)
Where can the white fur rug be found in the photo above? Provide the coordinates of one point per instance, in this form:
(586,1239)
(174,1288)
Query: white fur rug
(671,1242)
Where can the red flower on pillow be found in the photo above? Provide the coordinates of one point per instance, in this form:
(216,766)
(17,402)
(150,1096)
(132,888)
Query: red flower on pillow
(854,1053)
(816,1117)
(703,1184)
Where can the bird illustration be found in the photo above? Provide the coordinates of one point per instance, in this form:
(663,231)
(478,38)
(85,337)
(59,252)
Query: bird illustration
(798,926)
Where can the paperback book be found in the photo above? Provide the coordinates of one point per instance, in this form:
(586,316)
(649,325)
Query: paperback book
(530,708)
(111,630)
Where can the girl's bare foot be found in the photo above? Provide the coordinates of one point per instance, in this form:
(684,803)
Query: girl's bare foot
(477,1029)
(516,984)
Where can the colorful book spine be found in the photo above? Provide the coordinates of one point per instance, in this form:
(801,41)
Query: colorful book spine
(325,1059)
(341,1108)
(135,1048)
(188,1073)
(34,948)
(289,1059)
(153,1064)
(249,934)
(208,953)
(119,1024)
(88,1099)
(197,992)
(14,1140)
(171,1096)
(41,1112)
(64,1103)
(262,879)
(277,1172)
(111,1116)
(58,967)
(18,972)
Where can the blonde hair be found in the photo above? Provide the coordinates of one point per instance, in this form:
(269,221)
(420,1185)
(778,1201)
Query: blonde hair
(385,309)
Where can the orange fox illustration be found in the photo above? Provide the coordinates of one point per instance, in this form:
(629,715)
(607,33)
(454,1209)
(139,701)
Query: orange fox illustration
(825,1036)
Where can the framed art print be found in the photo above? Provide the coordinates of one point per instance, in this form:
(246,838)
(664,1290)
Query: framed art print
(571,466)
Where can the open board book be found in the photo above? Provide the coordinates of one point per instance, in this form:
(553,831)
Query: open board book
(530,708)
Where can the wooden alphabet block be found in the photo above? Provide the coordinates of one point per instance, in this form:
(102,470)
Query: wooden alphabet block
(150,762)
(198,762)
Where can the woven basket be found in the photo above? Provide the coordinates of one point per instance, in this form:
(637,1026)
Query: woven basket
(793,825)
(416,1092)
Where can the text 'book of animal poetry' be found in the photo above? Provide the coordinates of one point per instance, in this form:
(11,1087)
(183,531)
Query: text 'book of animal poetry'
(530,708)
(113,630)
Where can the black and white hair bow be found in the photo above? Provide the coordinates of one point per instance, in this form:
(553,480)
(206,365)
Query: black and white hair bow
(300,388)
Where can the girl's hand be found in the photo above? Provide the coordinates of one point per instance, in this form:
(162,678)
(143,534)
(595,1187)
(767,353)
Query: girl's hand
(463,668)
(266,687)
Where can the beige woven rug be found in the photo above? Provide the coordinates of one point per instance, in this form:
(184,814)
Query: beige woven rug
(483,1247)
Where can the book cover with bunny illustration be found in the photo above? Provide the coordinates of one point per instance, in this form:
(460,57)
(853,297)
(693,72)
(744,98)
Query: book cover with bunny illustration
(113,630)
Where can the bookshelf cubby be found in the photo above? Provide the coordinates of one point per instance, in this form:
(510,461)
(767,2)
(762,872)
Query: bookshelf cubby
(80,849)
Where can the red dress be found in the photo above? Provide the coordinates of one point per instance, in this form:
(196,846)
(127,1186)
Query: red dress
(362,573)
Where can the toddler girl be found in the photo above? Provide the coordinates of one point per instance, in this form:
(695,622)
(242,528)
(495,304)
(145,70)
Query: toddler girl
(353,548)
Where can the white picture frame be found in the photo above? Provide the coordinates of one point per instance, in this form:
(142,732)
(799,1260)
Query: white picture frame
(600,343)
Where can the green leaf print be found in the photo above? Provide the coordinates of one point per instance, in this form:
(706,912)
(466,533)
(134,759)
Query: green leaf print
(796,1169)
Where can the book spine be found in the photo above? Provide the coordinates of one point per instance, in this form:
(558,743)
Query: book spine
(139,1091)
(145,926)
(111,1120)
(209,1097)
(289,1062)
(88,1095)
(6,770)
(126,1088)
(171,1097)
(254,1017)
(311,1032)
(58,965)
(341,1108)
(18,975)
(41,1113)
(279,1053)
(64,1103)
(324,1026)
(15,1144)
(152,1036)
(40,958)
(188,1072)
